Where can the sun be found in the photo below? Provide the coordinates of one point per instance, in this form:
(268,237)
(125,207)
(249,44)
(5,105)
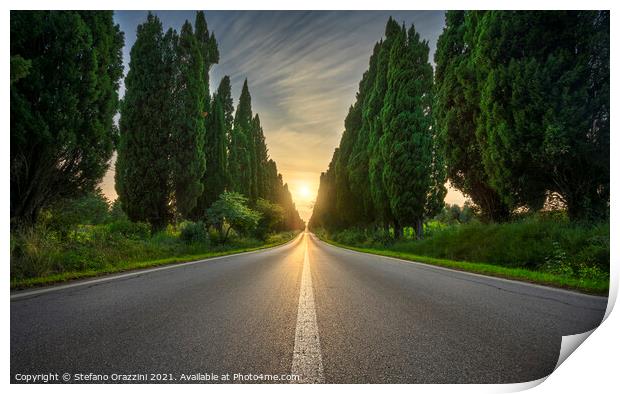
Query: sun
(304,191)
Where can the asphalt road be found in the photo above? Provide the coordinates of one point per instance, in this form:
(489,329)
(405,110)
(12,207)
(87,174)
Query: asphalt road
(325,313)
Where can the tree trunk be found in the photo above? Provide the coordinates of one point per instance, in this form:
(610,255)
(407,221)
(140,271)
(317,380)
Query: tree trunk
(419,229)
(398,230)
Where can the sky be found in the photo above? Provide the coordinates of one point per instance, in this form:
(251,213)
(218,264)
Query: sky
(303,70)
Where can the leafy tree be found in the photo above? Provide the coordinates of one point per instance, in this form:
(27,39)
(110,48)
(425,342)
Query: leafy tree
(456,109)
(66,67)
(188,133)
(142,167)
(231,211)
(272,217)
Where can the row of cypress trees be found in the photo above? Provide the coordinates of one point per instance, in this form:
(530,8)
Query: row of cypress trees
(517,110)
(180,147)
(386,171)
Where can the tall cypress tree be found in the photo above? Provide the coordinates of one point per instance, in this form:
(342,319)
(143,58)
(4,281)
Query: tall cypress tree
(358,163)
(262,158)
(208,48)
(63,100)
(372,113)
(457,106)
(188,138)
(142,169)
(241,150)
(407,140)
(215,178)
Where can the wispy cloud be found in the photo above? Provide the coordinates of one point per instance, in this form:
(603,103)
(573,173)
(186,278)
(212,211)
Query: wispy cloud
(303,70)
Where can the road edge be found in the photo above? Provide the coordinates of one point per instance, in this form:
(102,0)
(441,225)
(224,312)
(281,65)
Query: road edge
(17,294)
(513,280)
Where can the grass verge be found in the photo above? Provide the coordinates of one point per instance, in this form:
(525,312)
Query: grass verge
(24,283)
(589,286)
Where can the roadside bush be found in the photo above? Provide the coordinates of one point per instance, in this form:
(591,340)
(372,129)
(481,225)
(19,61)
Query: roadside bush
(193,232)
(538,242)
(351,237)
(129,229)
(32,252)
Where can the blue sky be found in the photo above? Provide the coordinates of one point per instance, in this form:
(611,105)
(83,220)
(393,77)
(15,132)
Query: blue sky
(303,70)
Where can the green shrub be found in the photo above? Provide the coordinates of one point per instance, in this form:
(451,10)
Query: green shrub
(32,252)
(130,229)
(193,233)
(546,242)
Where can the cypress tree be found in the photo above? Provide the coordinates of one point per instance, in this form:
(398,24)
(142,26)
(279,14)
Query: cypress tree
(456,109)
(358,164)
(208,49)
(373,113)
(188,138)
(63,100)
(262,157)
(215,178)
(142,168)
(544,122)
(406,144)
(241,150)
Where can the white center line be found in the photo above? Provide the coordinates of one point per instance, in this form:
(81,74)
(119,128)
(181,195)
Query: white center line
(307,361)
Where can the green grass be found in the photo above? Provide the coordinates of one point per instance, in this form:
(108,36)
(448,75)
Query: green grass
(590,286)
(537,250)
(55,262)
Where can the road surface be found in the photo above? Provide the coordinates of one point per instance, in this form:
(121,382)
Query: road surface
(322,313)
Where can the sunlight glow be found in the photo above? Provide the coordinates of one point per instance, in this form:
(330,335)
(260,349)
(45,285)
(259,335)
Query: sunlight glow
(304,192)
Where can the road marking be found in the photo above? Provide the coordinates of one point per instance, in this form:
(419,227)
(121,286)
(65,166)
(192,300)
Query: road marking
(111,277)
(307,361)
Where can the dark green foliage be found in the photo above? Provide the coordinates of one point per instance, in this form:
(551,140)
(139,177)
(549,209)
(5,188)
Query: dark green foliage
(272,218)
(130,230)
(208,50)
(188,131)
(66,68)
(261,184)
(200,149)
(215,178)
(143,167)
(456,108)
(192,233)
(536,243)
(39,256)
(387,169)
(116,211)
(358,163)
(454,214)
(407,140)
(544,120)
(240,148)
(65,215)
(20,67)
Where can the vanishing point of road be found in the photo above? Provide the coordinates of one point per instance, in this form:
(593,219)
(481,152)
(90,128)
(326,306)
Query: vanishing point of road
(307,308)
